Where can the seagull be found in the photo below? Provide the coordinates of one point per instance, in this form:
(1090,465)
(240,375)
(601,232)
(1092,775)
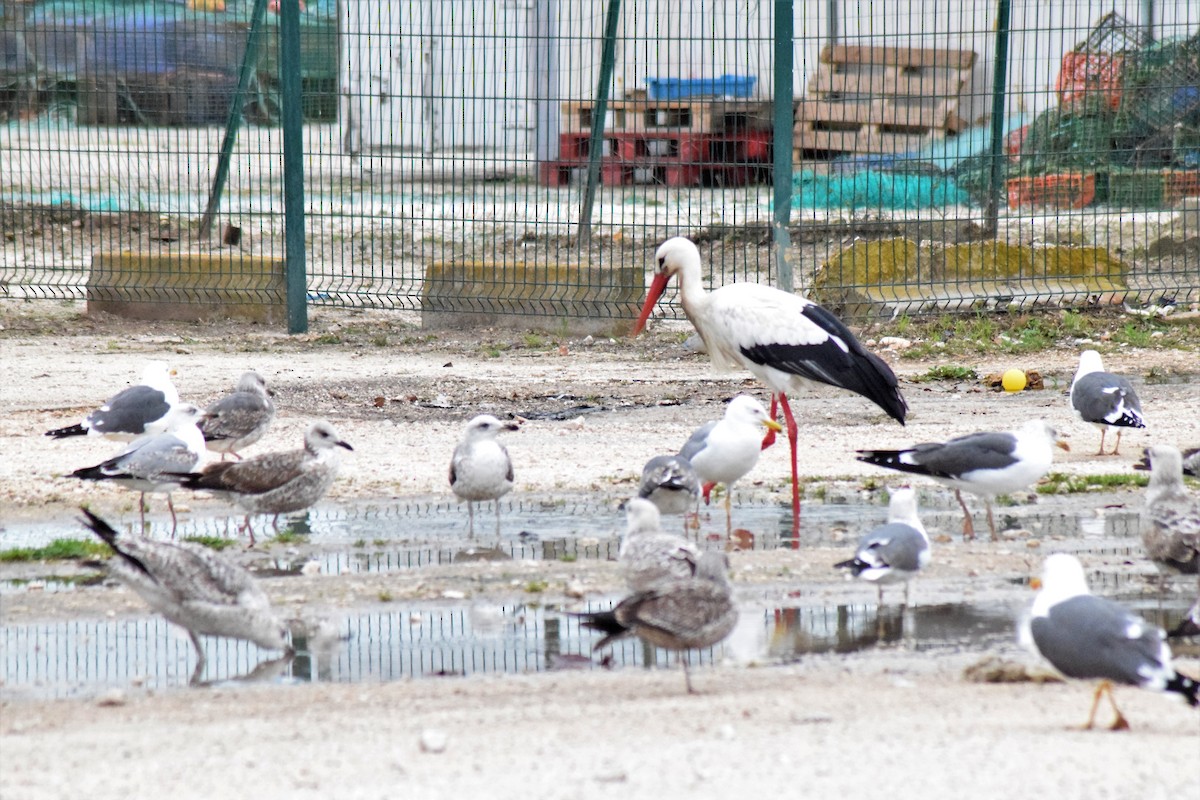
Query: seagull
(984,464)
(681,614)
(480,468)
(132,412)
(1104,399)
(1171,521)
(895,551)
(725,450)
(154,462)
(671,484)
(648,556)
(1089,637)
(276,483)
(194,587)
(785,340)
(1191,462)
(239,419)
(1190,624)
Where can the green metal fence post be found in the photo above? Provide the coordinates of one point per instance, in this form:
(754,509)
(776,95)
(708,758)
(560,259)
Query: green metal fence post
(234,121)
(781,138)
(290,88)
(999,94)
(608,57)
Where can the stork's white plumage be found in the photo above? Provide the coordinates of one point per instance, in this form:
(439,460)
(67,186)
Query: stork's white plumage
(785,340)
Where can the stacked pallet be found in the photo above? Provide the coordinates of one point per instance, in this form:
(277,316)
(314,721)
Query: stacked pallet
(881,100)
(670,142)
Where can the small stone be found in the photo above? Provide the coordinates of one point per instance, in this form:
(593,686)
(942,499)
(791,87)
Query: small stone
(895,342)
(113,697)
(453,594)
(1033,544)
(574,589)
(433,741)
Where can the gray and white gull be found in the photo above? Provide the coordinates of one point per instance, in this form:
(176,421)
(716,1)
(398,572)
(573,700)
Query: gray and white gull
(276,483)
(480,468)
(895,551)
(1171,516)
(155,462)
(724,451)
(194,587)
(648,556)
(1104,399)
(240,418)
(132,412)
(984,464)
(671,484)
(1092,638)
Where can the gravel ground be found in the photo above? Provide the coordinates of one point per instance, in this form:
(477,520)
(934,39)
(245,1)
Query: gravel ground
(596,411)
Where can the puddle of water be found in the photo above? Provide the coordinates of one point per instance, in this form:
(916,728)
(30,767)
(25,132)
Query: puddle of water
(81,658)
(377,537)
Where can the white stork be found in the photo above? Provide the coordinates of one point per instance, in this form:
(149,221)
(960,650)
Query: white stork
(785,340)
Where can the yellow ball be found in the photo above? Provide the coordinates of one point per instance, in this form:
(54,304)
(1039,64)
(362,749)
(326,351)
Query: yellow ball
(1013,380)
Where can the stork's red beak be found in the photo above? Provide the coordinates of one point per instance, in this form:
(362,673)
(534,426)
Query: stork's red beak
(652,294)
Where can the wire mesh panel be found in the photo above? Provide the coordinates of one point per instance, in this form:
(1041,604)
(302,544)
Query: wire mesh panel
(942,157)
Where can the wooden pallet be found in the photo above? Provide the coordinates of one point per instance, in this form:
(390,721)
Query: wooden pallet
(700,116)
(685,147)
(867,99)
(663,173)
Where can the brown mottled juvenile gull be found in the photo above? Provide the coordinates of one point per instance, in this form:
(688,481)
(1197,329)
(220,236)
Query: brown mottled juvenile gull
(1171,518)
(481,468)
(194,587)
(1104,399)
(895,551)
(681,614)
(984,464)
(136,411)
(240,418)
(154,462)
(276,483)
(648,556)
(725,450)
(1091,638)
(671,484)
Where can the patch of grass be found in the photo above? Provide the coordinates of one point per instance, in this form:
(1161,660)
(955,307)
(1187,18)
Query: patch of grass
(379,542)
(534,341)
(495,349)
(385,596)
(359,543)
(380,340)
(288,536)
(1020,333)
(327,338)
(84,579)
(536,587)
(947,372)
(58,550)
(217,543)
(1062,483)
(568,558)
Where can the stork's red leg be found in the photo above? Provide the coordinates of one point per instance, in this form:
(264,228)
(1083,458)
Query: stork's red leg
(769,439)
(792,433)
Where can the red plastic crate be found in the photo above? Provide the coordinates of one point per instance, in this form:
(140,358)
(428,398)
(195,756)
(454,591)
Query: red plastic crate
(1067,190)
(1085,75)
(1177,185)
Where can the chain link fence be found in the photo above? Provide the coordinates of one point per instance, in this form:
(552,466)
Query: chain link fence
(887,159)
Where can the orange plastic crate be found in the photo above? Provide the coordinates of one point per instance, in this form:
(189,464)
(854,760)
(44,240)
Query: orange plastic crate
(1067,190)
(1177,185)
(1084,75)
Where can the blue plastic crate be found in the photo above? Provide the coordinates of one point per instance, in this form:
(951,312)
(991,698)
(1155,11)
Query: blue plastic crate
(680,88)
